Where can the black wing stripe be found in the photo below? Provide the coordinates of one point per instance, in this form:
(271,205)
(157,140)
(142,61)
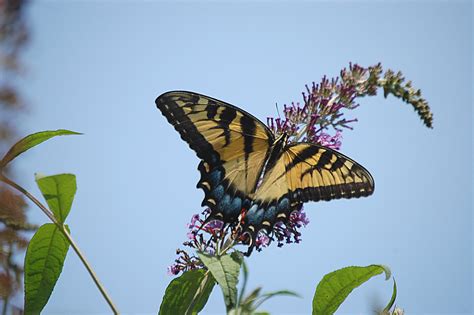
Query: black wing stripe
(248,127)
(211,111)
(302,156)
(186,129)
(324,159)
(225,118)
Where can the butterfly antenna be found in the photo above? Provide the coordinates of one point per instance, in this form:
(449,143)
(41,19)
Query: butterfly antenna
(278,111)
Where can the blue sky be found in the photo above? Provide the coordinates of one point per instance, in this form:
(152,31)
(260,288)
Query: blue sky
(97,67)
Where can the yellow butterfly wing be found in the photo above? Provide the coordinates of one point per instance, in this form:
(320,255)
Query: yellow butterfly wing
(305,172)
(232,144)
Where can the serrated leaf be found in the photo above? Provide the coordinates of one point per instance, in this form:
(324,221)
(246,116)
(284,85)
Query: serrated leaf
(337,285)
(30,141)
(187,294)
(225,270)
(58,191)
(43,264)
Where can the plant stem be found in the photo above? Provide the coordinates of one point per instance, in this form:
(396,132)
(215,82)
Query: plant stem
(5,306)
(90,270)
(65,232)
(46,211)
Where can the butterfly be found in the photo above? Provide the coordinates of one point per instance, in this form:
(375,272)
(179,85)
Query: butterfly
(248,174)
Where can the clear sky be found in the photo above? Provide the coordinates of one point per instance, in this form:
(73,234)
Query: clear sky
(97,67)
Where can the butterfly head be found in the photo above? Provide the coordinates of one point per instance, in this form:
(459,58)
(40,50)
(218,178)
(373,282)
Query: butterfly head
(281,140)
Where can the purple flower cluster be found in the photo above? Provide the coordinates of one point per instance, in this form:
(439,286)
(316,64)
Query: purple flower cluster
(183,263)
(203,237)
(333,142)
(211,237)
(288,232)
(321,111)
(283,232)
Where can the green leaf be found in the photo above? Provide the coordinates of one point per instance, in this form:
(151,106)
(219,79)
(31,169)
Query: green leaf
(225,270)
(280,292)
(249,299)
(337,285)
(264,297)
(187,294)
(43,264)
(392,300)
(203,294)
(58,191)
(246,306)
(30,141)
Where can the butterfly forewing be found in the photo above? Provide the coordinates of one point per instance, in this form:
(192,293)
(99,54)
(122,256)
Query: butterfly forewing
(232,144)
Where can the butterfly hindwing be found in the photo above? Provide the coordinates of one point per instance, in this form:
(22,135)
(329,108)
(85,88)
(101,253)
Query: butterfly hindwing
(232,144)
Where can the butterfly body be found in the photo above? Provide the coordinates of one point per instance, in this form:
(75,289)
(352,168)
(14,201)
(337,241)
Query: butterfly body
(248,175)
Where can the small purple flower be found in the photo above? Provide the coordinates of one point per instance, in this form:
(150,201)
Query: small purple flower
(288,232)
(262,241)
(214,226)
(191,235)
(333,142)
(183,263)
(299,218)
(173,270)
(194,219)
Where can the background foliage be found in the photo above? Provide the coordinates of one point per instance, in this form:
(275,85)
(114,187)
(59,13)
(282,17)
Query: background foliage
(13,220)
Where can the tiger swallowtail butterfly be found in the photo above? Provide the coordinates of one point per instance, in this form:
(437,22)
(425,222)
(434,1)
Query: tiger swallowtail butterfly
(246,170)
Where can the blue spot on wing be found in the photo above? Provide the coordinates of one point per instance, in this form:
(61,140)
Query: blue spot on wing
(218,192)
(270,214)
(224,204)
(283,206)
(230,208)
(255,215)
(215,177)
(236,207)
